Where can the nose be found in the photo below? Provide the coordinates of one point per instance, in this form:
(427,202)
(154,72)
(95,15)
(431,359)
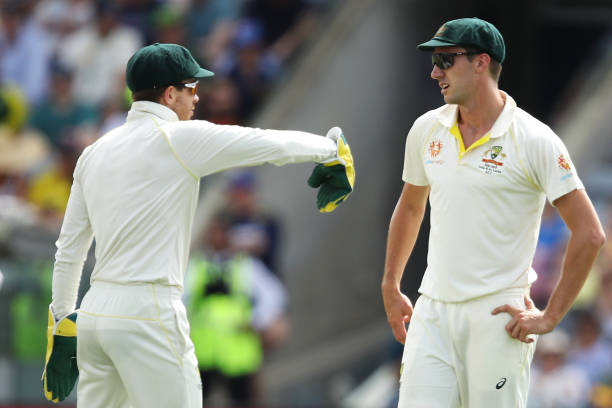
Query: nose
(436,72)
(196,98)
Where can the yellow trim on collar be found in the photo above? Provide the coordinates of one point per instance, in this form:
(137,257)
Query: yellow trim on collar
(454,130)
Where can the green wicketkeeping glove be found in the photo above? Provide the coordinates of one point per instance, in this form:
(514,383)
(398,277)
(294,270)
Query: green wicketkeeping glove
(61,371)
(335,177)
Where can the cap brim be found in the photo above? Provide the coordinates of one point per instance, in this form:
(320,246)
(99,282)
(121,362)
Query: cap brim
(203,73)
(433,43)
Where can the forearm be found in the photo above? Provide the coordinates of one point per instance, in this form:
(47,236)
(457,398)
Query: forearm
(297,147)
(403,232)
(65,287)
(579,257)
(72,247)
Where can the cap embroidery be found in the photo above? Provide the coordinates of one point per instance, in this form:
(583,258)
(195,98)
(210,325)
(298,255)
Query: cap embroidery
(440,31)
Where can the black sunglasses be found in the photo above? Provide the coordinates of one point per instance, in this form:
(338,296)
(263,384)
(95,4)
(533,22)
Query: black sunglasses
(445,60)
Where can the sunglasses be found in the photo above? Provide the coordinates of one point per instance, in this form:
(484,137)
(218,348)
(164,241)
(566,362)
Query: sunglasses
(191,85)
(445,60)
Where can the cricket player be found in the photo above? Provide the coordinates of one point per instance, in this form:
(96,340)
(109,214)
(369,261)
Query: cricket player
(487,168)
(135,190)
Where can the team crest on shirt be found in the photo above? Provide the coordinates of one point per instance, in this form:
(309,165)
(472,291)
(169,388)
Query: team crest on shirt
(492,160)
(564,164)
(434,148)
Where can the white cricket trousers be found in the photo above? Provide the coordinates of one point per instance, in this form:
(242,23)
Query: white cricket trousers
(460,355)
(134,350)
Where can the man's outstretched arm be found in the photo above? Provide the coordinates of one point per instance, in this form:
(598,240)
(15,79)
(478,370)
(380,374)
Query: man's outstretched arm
(403,232)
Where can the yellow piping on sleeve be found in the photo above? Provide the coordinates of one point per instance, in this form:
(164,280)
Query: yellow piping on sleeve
(181,162)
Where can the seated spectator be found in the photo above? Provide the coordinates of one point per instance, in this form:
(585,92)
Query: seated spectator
(60,115)
(25,50)
(21,150)
(98,54)
(249,65)
(219,103)
(168,26)
(554,383)
(251,229)
(204,15)
(49,190)
(63,17)
(236,308)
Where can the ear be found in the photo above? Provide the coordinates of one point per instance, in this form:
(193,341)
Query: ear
(482,62)
(168,97)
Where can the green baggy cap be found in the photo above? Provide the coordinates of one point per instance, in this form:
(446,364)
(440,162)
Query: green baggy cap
(159,65)
(469,32)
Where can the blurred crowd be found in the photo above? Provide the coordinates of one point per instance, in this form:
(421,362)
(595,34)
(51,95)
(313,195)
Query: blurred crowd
(62,85)
(573,364)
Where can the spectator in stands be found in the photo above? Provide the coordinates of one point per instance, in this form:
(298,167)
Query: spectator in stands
(249,65)
(236,308)
(251,229)
(168,26)
(25,50)
(98,54)
(21,150)
(205,15)
(63,17)
(49,190)
(60,115)
(554,383)
(591,352)
(220,103)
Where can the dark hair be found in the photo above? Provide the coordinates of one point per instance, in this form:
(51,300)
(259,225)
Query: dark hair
(152,95)
(494,66)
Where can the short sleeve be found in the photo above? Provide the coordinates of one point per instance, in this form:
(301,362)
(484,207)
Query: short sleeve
(414,170)
(550,164)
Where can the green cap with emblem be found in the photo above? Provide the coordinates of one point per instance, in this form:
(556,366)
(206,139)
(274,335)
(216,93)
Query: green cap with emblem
(472,32)
(159,65)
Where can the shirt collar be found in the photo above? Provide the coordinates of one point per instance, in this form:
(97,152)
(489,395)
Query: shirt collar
(448,116)
(141,109)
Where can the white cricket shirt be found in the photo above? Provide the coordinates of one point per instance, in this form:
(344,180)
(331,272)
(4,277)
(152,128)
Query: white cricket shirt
(136,189)
(486,201)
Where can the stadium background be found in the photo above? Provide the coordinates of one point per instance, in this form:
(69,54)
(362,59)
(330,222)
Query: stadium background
(350,63)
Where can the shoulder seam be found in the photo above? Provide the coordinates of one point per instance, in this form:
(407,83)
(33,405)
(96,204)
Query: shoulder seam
(178,158)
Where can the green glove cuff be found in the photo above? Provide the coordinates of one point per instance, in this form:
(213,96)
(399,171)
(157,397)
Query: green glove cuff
(334,177)
(61,370)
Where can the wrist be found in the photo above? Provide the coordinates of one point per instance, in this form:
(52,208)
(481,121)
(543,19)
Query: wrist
(390,285)
(553,317)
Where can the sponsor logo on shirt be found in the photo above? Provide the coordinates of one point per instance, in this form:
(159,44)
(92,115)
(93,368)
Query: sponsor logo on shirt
(501,383)
(492,160)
